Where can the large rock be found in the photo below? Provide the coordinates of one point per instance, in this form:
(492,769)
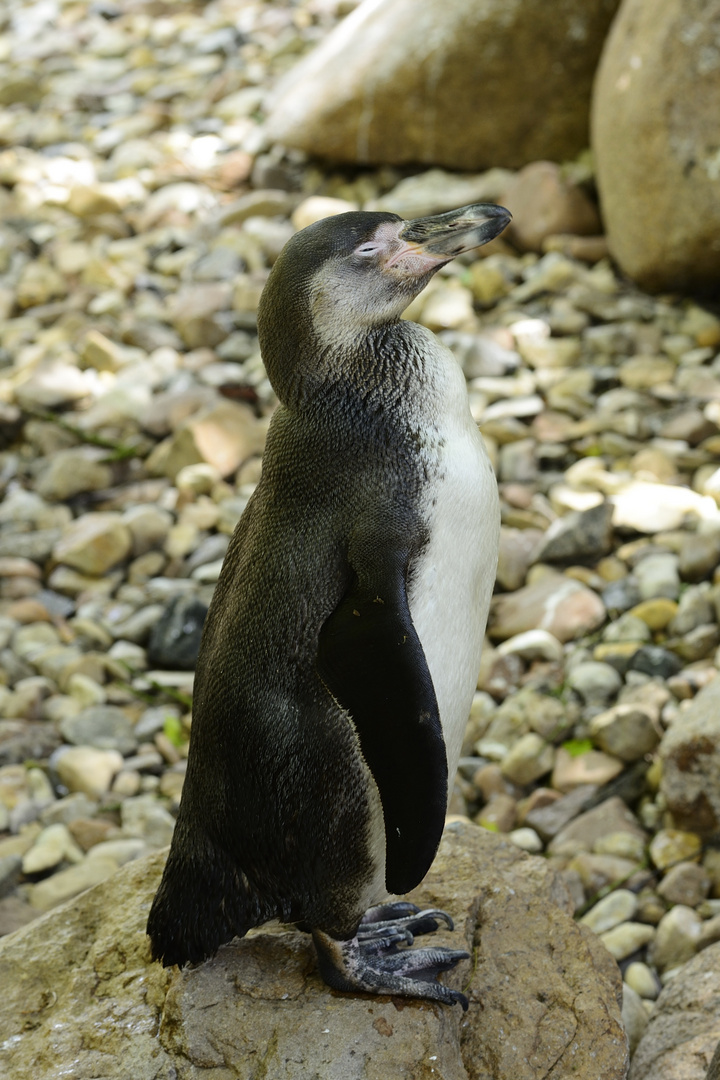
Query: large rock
(80,993)
(655,134)
(684,1027)
(690,753)
(467,85)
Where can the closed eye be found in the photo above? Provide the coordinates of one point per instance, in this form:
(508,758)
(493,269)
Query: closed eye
(367,249)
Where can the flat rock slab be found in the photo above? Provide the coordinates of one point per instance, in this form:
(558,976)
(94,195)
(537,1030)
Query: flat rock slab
(82,999)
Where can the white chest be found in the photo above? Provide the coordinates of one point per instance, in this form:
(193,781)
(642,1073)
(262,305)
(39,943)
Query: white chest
(452,580)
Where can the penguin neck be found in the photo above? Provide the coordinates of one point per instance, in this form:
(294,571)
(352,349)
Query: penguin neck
(381,375)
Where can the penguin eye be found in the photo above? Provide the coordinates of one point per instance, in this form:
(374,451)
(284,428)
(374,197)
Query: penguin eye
(368,249)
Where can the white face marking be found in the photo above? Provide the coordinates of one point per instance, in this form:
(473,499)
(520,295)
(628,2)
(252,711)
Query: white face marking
(371,286)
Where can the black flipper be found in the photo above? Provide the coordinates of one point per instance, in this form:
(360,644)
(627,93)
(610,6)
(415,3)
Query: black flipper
(372,661)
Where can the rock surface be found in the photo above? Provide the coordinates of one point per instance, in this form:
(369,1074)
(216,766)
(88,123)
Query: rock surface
(448,84)
(79,987)
(654,135)
(684,1027)
(690,751)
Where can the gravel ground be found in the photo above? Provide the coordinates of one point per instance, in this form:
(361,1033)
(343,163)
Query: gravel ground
(141,212)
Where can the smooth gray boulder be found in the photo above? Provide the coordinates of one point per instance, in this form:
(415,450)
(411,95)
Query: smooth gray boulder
(655,138)
(447,82)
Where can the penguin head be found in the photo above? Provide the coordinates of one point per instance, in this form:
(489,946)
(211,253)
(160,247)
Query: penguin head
(343,277)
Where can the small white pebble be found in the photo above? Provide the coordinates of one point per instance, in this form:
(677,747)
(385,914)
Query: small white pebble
(527,839)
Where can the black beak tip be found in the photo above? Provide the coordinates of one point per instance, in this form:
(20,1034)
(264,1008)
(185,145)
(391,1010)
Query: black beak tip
(503,214)
(497,219)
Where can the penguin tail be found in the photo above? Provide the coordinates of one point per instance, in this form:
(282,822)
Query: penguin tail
(203,901)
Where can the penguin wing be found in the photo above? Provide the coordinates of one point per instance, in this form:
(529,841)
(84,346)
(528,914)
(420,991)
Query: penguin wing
(372,662)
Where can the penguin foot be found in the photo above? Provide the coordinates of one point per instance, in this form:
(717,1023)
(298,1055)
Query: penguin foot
(373,963)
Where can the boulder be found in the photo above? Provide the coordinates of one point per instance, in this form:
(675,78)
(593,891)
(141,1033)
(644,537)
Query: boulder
(80,992)
(690,754)
(684,1026)
(448,83)
(655,139)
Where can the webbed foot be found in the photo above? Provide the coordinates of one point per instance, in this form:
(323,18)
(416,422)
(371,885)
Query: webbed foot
(372,962)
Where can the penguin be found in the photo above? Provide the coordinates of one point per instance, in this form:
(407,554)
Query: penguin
(341,650)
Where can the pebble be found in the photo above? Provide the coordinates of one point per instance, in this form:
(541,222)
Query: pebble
(120,851)
(657,575)
(318,207)
(498,814)
(634,1015)
(596,683)
(175,638)
(532,645)
(677,938)
(654,508)
(103,726)
(627,938)
(73,471)
(626,731)
(618,907)
(642,980)
(625,845)
(75,807)
(528,759)
(590,767)
(556,603)
(85,691)
(672,846)
(87,769)
(94,544)
(68,883)
(656,614)
(585,829)
(143,817)
(53,846)
(655,661)
(686,883)
(710,932)
(579,535)
(550,813)
(526,839)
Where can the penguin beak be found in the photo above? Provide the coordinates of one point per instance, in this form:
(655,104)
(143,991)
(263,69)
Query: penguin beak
(445,236)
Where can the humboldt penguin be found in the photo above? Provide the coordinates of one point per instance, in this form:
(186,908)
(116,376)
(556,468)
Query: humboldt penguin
(341,650)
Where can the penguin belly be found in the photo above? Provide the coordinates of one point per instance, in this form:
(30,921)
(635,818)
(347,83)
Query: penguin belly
(451,580)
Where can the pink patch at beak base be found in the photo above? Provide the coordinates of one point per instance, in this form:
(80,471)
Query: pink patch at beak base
(416,260)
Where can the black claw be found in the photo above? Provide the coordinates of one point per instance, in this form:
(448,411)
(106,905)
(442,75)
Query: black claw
(383,938)
(399,909)
(373,962)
